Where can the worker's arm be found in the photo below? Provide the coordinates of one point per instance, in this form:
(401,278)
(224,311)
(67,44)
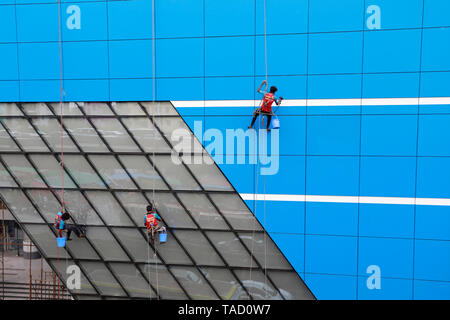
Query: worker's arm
(259,89)
(278,101)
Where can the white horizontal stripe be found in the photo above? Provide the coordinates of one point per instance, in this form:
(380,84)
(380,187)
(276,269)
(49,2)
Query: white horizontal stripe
(316,102)
(346,199)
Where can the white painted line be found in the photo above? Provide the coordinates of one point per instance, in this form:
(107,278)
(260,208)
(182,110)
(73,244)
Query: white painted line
(346,199)
(317,102)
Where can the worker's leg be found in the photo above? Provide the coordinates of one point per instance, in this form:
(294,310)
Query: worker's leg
(269,119)
(69,229)
(255,115)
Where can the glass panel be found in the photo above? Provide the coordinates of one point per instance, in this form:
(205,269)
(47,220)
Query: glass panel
(22,209)
(135,243)
(142,172)
(63,264)
(52,171)
(203,211)
(235,211)
(225,283)
(264,250)
(85,135)
(36,109)
(112,172)
(82,172)
(25,135)
(146,135)
(171,210)
(5,178)
(69,109)
(80,209)
(171,252)
(23,171)
(167,287)
(169,125)
(199,248)
(132,280)
(80,248)
(176,175)
(105,244)
(95,108)
(109,208)
(102,279)
(127,108)
(50,130)
(231,249)
(159,108)
(45,240)
(210,177)
(194,284)
(10,109)
(115,135)
(257,285)
(47,204)
(6,143)
(290,285)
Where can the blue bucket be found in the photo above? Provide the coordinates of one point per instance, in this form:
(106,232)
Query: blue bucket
(61,242)
(162,237)
(275,123)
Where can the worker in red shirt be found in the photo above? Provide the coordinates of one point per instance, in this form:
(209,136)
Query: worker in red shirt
(266,105)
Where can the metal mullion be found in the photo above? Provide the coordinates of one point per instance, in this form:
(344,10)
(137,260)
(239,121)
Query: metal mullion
(175,195)
(76,184)
(215,206)
(120,203)
(43,219)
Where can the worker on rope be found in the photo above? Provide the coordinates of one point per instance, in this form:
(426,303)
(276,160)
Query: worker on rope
(266,105)
(151,222)
(61,226)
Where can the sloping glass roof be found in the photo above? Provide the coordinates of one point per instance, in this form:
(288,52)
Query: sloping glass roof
(117,159)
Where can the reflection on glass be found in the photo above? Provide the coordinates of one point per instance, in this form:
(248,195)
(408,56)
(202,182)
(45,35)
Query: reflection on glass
(6,143)
(136,244)
(46,203)
(85,135)
(105,243)
(159,108)
(112,172)
(52,171)
(133,281)
(36,109)
(194,284)
(23,171)
(210,177)
(290,285)
(224,283)
(115,135)
(231,249)
(257,285)
(50,130)
(264,250)
(69,109)
(45,240)
(175,174)
(20,206)
(143,173)
(102,279)
(95,108)
(108,208)
(10,109)
(199,248)
(203,211)
(5,178)
(82,172)
(235,211)
(127,108)
(24,134)
(161,279)
(146,135)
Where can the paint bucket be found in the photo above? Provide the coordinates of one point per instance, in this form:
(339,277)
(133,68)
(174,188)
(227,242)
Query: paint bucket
(162,237)
(275,123)
(61,242)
